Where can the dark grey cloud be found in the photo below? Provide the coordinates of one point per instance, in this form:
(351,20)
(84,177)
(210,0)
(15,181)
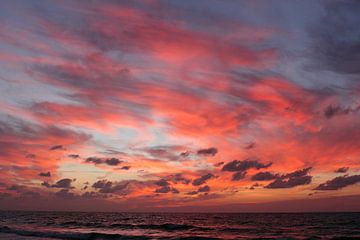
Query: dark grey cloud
(239,166)
(238,176)
(205,188)
(342,170)
(112,161)
(192,193)
(166,152)
(185,154)
(297,178)
(30,155)
(107,161)
(45,174)
(208,151)
(332,111)
(337,37)
(218,164)
(102,184)
(94,160)
(339,182)
(125,167)
(178,178)
(201,180)
(162,183)
(74,156)
(264,176)
(291,182)
(57,147)
(166,189)
(120,188)
(62,183)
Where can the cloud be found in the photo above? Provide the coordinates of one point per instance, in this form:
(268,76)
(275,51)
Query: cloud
(332,111)
(339,182)
(192,193)
(45,174)
(62,183)
(107,161)
(167,153)
(237,165)
(112,161)
(65,194)
(74,156)
(178,178)
(207,151)
(201,180)
(162,183)
(336,37)
(218,164)
(122,188)
(238,176)
(205,188)
(290,180)
(264,176)
(125,167)
(57,147)
(166,189)
(342,170)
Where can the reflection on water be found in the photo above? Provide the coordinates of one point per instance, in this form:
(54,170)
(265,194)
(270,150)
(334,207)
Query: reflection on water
(58,225)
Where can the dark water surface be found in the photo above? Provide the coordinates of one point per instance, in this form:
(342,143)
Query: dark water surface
(61,225)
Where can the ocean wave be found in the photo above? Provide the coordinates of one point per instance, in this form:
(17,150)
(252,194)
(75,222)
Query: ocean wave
(68,235)
(163,227)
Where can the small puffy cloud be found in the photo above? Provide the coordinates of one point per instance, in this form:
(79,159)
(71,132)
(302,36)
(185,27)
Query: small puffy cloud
(297,178)
(238,176)
(112,161)
(339,182)
(57,147)
(107,161)
(264,176)
(218,164)
(192,193)
(62,183)
(178,178)
(208,151)
(239,166)
(166,189)
(45,174)
(205,188)
(201,180)
(342,170)
(162,183)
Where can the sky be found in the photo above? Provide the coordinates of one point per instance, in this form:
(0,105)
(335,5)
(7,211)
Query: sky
(180,105)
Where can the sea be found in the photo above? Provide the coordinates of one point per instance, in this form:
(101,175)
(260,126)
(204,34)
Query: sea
(81,225)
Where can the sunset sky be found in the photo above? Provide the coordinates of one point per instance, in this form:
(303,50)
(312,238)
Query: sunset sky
(202,105)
